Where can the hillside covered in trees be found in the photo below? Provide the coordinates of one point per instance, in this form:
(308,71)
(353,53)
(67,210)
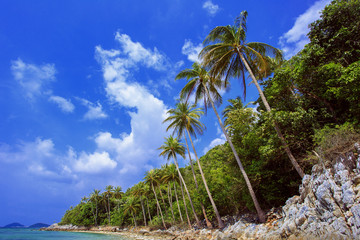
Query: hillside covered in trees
(302,101)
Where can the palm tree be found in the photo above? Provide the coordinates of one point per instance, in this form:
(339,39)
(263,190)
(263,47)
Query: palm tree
(228,55)
(185,118)
(203,86)
(166,180)
(170,149)
(146,194)
(131,206)
(94,198)
(138,191)
(172,175)
(118,194)
(159,175)
(108,194)
(150,178)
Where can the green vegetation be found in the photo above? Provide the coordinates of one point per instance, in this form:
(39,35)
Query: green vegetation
(315,110)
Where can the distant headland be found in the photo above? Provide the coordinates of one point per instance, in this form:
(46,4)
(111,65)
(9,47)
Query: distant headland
(19,225)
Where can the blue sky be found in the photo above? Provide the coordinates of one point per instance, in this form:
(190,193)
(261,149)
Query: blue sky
(85,86)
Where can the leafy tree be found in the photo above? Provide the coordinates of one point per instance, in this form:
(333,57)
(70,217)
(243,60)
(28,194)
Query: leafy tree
(185,118)
(200,82)
(170,149)
(131,206)
(229,55)
(151,178)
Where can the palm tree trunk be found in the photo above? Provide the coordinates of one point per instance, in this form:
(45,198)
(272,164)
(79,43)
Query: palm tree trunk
(158,204)
(133,215)
(218,217)
(170,203)
(147,203)
(278,131)
(208,223)
(177,201)
(186,210)
(187,192)
(109,210)
(143,210)
(166,213)
(93,212)
(259,211)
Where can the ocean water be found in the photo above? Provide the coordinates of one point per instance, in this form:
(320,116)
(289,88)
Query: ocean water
(33,234)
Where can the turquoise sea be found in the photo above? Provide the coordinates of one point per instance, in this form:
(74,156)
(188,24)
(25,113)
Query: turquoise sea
(33,234)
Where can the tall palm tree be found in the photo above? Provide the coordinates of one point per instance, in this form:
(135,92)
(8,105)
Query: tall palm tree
(94,198)
(170,149)
(108,194)
(205,87)
(159,175)
(139,191)
(228,55)
(131,206)
(167,180)
(185,119)
(146,194)
(118,195)
(150,178)
(172,175)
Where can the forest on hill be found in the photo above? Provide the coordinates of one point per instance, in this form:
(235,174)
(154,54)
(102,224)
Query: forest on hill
(302,102)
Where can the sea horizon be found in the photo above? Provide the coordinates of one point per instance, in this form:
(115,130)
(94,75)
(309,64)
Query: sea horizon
(36,234)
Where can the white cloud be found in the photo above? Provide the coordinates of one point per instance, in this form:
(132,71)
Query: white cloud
(94,163)
(214,143)
(136,53)
(191,51)
(210,7)
(65,105)
(295,39)
(38,158)
(32,78)
(95,111)
(135,149)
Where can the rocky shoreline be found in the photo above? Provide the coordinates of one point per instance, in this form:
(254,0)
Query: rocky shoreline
(328,207)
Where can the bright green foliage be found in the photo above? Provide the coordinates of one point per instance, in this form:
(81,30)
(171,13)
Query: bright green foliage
(315,100)
(338,32)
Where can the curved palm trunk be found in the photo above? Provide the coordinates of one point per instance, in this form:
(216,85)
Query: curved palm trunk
(187,192)
(208,223)
(259,211)
(186,210)
(109,210)
(133,215)
(94,212)
(166,213)
(218,217)
(143,210)
(177,201)
(170,202)
(158,204)
(278,131)
(147,203)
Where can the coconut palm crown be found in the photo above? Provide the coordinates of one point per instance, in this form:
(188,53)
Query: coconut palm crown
(228,54)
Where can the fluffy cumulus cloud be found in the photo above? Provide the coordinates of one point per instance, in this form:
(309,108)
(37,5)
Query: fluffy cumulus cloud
(38,158)
(95,111)
(65,105)
(214,143)
(94,163)
(135,149)
(296,38)
(210,7)
(191,51)
(41,158)
(32,78)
